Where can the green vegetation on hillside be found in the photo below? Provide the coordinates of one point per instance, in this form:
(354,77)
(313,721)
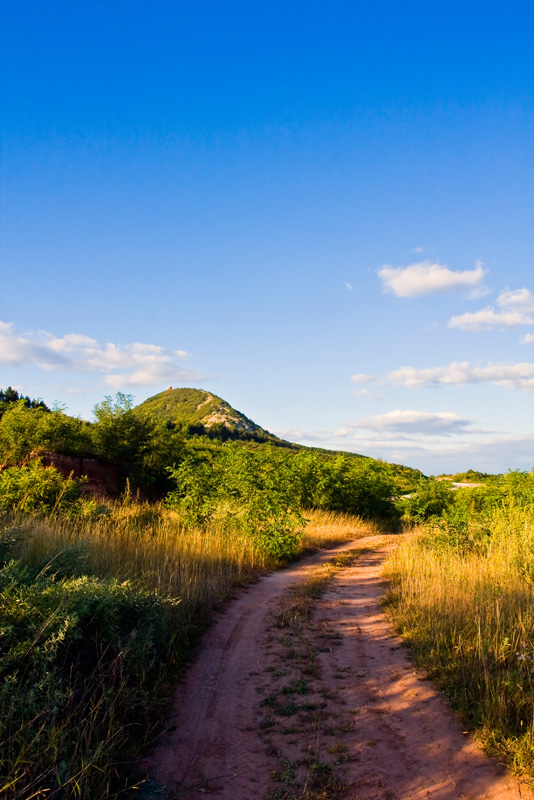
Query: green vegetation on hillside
(202,413)
(141,448)
(10,395)
(143,442)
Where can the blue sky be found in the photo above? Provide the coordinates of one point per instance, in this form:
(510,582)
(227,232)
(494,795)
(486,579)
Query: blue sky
(321,212)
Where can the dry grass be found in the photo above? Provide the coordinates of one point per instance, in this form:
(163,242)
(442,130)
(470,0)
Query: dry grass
(149,544)
(469,617)
(328,528)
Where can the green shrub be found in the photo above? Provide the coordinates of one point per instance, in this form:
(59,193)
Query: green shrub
(262,487)
(142,447)
(249,491)
(363,487)
(199,487)
(431,498)
(36,489)
(75,652)
(25,429)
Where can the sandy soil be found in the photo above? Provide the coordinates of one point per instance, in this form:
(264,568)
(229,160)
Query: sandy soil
(331,708)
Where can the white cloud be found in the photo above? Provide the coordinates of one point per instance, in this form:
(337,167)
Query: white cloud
(135,364)
(517,306)
(413,422)
(349,286)
(510,376)
(152,374)
(488,318)
(361,377)
(528,338)
(400,427)
(519,299)
(428,278)
(433,454)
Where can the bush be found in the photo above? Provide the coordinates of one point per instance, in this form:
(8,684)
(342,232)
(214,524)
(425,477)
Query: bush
(361,487)
(36,489)
(250,491)
(262,486)
(25,429)
(141,447)
(75,652)
(431,498)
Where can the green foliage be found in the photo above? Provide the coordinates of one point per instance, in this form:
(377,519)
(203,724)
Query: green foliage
(120,435)
(250,491)
(261,486)
(76,652)
(406,478)
(465,512)
(362,487)
(144,442)
(198,488)
(23,430)
(472,476)
(9,395)
(36,489)
(431,498)
(308,471)
(263,491)
(19,433)
(142,447)
(200,413)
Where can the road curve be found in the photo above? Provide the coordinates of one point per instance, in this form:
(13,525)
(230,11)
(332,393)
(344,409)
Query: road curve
(403,742)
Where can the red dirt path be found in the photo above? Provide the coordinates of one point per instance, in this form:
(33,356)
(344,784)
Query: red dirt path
(397,738)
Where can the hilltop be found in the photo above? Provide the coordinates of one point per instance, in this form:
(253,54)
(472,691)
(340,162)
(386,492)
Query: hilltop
(201,412)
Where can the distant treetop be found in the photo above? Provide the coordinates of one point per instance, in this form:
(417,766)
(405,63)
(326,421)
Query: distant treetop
(11,395)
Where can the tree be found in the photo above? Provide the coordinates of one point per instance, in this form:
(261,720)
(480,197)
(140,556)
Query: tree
(141,447)
(363,487)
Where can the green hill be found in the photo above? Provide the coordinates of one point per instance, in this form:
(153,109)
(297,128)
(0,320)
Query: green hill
(199,411)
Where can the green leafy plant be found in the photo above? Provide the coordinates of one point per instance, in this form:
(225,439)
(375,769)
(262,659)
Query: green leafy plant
(249,491)
(36,489)
(74,651)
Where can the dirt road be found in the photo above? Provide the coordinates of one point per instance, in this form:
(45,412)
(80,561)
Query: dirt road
(281,704)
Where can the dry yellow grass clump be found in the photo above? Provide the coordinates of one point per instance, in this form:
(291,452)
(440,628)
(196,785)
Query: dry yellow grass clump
(468,613)
(149,544)
(328,528)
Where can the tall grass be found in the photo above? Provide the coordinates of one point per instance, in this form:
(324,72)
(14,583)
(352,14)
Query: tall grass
(148,545)
(329,528)
(100,614)
(466,606)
